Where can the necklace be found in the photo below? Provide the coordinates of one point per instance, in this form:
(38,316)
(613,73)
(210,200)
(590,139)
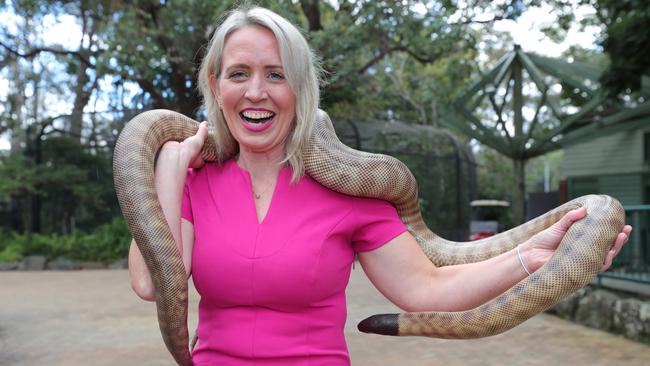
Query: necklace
(259,195)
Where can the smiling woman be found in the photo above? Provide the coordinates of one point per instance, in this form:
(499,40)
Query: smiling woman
(253,94)
(293,66)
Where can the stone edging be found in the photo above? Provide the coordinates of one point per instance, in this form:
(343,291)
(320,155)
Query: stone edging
(612,311)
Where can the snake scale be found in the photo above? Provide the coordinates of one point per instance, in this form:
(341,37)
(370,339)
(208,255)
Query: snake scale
(340,168)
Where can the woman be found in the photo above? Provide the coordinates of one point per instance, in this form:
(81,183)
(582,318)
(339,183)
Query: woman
(269,249)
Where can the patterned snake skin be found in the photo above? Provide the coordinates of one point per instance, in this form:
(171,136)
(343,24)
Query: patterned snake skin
(577,260)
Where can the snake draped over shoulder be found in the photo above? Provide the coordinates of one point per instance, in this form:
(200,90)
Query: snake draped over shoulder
(340,168)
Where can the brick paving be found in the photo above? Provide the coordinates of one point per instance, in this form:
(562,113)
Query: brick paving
(92,318)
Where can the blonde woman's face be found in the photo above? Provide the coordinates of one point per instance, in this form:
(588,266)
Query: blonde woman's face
(256,99)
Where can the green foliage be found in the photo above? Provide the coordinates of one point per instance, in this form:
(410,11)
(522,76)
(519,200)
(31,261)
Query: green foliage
(71,182)
(495,173)
(10,251)
(19,176)
(400,60)
(535,171)
(626,40)
(107,243)
(357,40)
(495,176)
(159,46)
(75,180)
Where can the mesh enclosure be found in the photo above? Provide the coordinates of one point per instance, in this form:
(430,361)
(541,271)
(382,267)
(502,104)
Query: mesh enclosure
(442,164)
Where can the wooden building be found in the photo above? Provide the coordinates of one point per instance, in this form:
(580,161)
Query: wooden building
(617,164)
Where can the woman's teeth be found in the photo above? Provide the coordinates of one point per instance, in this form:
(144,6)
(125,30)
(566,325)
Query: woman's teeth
(257,116)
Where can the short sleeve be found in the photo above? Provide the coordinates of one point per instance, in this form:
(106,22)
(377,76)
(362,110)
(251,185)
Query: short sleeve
(377,223)
(186,205)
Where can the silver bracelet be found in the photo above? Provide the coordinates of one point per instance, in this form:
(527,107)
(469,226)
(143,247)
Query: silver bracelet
(522,261)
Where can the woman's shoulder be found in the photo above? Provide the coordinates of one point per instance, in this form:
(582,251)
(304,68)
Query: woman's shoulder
(363,204)
(318,191)
(209,171)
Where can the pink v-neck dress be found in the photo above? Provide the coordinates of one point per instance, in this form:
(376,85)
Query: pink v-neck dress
(273,293)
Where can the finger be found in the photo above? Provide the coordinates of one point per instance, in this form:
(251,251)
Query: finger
(621,239)
(627,229)
(608,261)
(197,163)
(202,133)
(572,216)
(196,141)
(577,214)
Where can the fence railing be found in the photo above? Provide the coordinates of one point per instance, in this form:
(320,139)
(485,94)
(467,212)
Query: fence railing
(633,262)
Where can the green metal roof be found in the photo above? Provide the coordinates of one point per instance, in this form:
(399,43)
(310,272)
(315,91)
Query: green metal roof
(524,106)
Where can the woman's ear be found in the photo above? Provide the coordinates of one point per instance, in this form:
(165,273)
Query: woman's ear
(214,88)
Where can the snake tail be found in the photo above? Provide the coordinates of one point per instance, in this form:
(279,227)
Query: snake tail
(384,324)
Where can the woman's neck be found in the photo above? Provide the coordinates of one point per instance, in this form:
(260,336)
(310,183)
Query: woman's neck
(261,165)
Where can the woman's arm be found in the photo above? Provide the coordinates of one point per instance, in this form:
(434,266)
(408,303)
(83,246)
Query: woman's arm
(141,281)
(402,272)
(170,171)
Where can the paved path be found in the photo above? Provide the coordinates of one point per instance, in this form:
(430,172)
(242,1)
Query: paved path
(92,318)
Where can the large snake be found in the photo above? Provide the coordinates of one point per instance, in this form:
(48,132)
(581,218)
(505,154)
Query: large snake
(340,168)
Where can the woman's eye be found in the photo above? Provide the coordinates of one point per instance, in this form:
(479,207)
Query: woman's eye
(275,75)
(237,75)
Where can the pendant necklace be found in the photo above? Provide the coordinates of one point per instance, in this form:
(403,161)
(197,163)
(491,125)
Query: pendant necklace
(259,195)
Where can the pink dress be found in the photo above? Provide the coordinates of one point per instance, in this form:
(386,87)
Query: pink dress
(273,293)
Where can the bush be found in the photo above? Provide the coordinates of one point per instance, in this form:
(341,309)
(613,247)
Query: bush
(11,253)
(107,243)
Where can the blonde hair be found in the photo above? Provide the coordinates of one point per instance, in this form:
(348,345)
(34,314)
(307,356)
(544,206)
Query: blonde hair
(300,68)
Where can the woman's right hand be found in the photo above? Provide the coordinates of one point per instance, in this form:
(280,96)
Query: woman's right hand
(189,150)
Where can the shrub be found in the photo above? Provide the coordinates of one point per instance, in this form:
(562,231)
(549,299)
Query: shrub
(106,243)
(11,253)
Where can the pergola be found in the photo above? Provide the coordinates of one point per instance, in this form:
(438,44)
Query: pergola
(529,105)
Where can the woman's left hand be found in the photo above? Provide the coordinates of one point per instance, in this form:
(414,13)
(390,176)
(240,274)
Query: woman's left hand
(539,248)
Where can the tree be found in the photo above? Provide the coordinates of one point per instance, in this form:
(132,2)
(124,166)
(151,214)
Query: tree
(159,46)
(374,55)
(526,106)
(625,40)
(495,172)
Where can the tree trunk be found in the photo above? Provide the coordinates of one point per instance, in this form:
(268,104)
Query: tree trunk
(81,98)
(311,9)
(36,197)
(519,191)
(17,101)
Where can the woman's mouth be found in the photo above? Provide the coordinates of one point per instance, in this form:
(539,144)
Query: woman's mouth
(256,121)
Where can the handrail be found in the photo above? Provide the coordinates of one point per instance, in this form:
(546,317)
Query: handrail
(637,208)
(633,262)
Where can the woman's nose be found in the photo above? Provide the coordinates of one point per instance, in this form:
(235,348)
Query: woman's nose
(256,89)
